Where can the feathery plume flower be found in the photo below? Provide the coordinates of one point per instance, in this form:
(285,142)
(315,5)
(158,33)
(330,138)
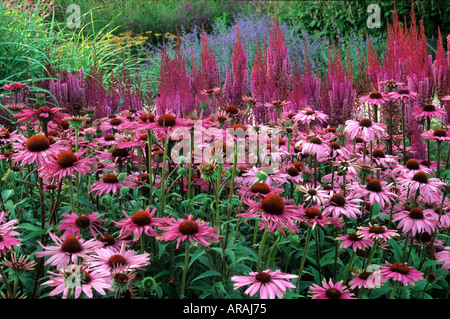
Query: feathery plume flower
(196,231)
(330,291)
(401,272)
(270,284)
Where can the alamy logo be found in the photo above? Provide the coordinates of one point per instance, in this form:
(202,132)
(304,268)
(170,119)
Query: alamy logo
(74,19)
(374,20)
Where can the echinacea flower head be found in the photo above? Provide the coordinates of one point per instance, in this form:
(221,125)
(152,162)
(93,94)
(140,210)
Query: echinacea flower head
(14,86)
(110,183)
(18,265)
(74,224)
(275,212)
(438,135)
(330,291)
(401,272)
(338,205)
(429,111)
(142,222)
(196,231)
(270,284)
(367,279)
(416,220)
(403,95)
(78,280)
(444,257)
(308,115)
(375,98)
(354,241)
(70,250)
(378,232)
(43,114)
(66,164)
(425,188)
(106,260)
(37,149)
(7,236)
(365,128)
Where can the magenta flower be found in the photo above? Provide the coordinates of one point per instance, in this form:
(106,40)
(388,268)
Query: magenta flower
(375,191)
(38,150)
(68,251)
(367,279)
(426,189)
(107,260)
(270,284)
(78,280)
(315,145)
(438,135)
(196,231)
(401,272)
(43,114)
(276,213)
(429,111)
(338,205)
(308,115)
(375,98)
(66,164)
(110,183)
(365,128)
(402,94)
(7,233)
(444,256)
(14,86)
(377,232)
(416,220)
(141,222)
(354,241)
(330,291)
(74,224)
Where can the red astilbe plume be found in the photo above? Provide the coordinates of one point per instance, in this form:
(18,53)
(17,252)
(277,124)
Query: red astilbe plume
(258,82)
(373,65)
(236,82)
(339,85)
(441,69)
(175,94)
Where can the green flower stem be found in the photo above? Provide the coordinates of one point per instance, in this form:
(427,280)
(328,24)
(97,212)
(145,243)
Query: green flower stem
(349,266)
(186,264)
(150,169)
(438,173)
(163,173)
(5,280)
(261,249)
(305,253)
(394,290)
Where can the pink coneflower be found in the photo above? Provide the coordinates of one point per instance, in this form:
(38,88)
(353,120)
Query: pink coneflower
(74,224)
(313,216)
(43,114)
(375,98)
(382,159)
(6,136)
(37,149)
(402,94)
(109,140)
(424,188)
(354,241)
(276,213)
(269,283)
(411,167)
(315,145)
(429,111)
(308,115)
(330,291)
(7,233)
(78,280)
(141,222)
(110,242)
(106,260)
(68,251)
(166,123)
(210,92)
(197,231)
(367,279)
(444,257)
(316,195)
(401,272)
(339,152)
(18,265)
(66,164)
(378,232)
(438,135)
(365,128)
(338,205)
(416,220)
(110,184)
(375,191)
(260,190)
(277,105)
(113,123)
(274,176)
(250,101)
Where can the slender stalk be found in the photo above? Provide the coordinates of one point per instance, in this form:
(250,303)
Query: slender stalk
(261,249)
(186,264)
(403,133)
(163,173)
(394,290)
(305,253)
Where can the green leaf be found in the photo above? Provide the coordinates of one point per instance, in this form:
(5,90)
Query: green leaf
(208,273)
(196,254)
(35,233)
